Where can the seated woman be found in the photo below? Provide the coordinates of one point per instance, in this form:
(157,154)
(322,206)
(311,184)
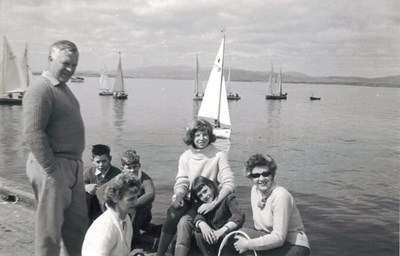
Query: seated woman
(278,228)
(213,226)
(201,159)
(111,233)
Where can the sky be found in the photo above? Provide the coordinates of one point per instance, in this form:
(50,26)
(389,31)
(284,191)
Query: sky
(314,37)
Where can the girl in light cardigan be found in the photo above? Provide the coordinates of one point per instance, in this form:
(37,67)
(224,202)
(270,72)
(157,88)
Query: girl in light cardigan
(278,228)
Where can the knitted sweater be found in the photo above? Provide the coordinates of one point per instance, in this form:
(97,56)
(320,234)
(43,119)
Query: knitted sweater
(53,125)
(209,162)
(280,219)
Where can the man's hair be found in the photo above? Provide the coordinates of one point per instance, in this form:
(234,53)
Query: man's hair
(65,46)
(100,149)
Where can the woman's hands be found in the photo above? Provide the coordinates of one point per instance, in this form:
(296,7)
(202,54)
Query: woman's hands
(240,244)
(206,208)
(210,235)
(178,202)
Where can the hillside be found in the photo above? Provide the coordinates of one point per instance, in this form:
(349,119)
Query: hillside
(179,72)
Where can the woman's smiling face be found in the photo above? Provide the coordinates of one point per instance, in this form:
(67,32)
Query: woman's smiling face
(201,139)
(262,177)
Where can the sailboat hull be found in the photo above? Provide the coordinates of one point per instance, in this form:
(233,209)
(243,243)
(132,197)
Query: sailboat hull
(9,101)
(276,97)
(106,93)
(223,133)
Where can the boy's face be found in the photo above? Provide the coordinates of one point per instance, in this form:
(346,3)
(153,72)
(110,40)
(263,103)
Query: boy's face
(102,162)
(131,168)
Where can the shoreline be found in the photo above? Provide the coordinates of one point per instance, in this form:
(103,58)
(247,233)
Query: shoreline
(331,227)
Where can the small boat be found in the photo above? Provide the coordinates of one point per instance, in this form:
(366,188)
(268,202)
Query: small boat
(315,98)
(119,87)
(77,79)
(104,85)
(214,106)
(12,85)
(275,86)
(198,86)
(231,95)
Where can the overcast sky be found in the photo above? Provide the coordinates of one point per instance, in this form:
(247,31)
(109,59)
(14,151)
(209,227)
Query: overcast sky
(315,37)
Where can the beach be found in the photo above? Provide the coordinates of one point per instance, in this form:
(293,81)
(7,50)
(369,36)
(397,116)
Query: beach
(331,235)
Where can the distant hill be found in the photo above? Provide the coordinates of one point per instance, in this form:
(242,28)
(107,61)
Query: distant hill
(182,72)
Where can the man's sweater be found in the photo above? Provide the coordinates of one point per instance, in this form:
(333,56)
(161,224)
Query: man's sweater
(53,125)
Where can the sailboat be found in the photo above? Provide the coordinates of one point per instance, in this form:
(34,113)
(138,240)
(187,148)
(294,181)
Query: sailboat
(231,95)
(12,86)
(214,106)
(275,86)
(104,86)
(198,87)
(118,90)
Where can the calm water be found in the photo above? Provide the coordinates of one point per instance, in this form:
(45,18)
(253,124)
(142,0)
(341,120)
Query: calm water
(339,156)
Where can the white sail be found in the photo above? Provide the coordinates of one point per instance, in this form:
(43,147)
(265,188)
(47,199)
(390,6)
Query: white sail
(104,81)
(214,106)
(26,70)
(11,77)
(279,82)
(271,82)
(119,78)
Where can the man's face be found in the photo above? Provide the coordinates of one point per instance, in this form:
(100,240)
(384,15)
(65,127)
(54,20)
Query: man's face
(62,65)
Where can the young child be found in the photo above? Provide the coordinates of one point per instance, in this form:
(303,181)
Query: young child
(213,226)
(141,217)
(96,176)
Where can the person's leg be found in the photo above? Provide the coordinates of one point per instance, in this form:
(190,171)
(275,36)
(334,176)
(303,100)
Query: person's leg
(170,226)
(205,248)
(53,198)
(184,234)
(75,215)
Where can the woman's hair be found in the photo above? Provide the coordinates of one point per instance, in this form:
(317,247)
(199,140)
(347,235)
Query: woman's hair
(130,157)
(197,186)
(119,186)
(260,160)
(199,125)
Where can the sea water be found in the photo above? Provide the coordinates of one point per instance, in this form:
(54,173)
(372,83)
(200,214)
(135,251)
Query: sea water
(339,156)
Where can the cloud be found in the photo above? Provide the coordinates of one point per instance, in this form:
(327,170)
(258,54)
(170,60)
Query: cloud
(315,37)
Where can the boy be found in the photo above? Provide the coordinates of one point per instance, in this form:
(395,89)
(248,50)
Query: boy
(96,176)
(130,163)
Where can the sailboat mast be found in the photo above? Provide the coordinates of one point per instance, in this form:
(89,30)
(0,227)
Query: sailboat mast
(221,79)
(3,75)
(196,80)
(280,81)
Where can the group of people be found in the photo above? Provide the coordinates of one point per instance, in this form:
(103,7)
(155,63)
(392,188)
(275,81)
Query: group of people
(105,211)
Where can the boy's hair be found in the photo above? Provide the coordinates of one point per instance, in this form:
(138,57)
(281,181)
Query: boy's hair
(130,157)
(119,186)
(197,186)
(100,149)
(199,125)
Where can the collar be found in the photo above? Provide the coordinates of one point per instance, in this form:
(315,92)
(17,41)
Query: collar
(97,173)
(51,78)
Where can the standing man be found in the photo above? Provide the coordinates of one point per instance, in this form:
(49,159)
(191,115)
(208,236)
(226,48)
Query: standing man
(55,135)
